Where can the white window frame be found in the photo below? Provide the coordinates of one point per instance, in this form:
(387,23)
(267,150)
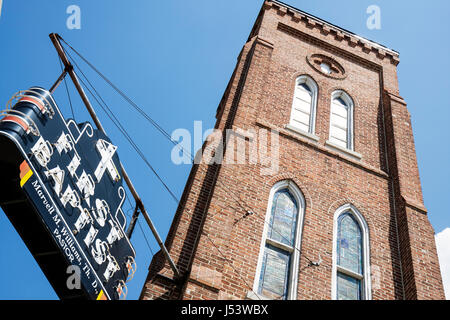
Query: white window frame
(295,258)
(312,115)
(366,280)
(351,106)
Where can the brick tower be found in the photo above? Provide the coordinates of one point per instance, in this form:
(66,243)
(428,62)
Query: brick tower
(326,201)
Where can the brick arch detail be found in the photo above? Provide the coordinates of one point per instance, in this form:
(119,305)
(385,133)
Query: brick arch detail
(294,178)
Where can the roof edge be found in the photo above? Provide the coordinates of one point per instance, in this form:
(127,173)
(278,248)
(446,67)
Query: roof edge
(344,31)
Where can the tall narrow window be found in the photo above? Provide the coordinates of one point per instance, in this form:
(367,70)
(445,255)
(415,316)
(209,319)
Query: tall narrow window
(341,120)
(278,264)
(351,264)
(304,104)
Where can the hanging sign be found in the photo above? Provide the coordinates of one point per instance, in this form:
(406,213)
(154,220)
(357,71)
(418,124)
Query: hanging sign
(71,178)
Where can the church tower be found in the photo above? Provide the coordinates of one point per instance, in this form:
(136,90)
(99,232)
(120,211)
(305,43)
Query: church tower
(309,187)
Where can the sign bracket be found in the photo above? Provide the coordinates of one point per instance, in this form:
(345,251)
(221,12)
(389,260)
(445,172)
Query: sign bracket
(132,222)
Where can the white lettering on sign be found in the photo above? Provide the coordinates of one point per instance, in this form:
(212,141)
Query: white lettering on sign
(99,251)
(106,151)
(58,178)
(87,186)
(40,193)
(64,143)
(73,165)
(101,212)
(112,267)
(90,236)
(83,219)
(70,196)
(42,151)
(115,233)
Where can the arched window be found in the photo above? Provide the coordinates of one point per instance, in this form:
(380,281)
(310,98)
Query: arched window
(277,269)
(341,120)
(304,105)
(351,275)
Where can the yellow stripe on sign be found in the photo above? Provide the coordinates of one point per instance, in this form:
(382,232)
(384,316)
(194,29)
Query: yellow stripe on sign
(101,296)
(25,178)
(25,173)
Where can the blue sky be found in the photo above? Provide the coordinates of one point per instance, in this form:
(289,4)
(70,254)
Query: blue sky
(174,59)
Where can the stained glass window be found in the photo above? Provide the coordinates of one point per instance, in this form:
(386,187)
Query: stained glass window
(348,288)
(349,258)
(283,218)
(279,246)
(274,273)
(349,244)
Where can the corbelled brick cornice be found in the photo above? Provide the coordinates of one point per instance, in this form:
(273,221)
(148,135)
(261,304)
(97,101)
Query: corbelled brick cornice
(328,29)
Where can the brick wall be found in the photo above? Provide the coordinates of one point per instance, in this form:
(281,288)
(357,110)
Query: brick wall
(213,239)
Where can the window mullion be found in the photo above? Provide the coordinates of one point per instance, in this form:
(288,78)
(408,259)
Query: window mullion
(280,245)
(350,273)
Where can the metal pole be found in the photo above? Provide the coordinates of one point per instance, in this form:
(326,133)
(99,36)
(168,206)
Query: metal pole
(69,68)
(56,84)
(133,221)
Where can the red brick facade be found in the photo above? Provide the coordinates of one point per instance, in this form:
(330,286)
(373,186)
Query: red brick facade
(213,240)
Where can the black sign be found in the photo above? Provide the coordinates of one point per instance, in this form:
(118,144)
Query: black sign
(71,176)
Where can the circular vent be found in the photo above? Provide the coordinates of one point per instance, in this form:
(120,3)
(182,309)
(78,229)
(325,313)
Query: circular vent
(326,66)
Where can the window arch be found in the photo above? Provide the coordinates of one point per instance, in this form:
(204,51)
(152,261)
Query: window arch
(341,119)
(351,260)
(303,111)
(277,270)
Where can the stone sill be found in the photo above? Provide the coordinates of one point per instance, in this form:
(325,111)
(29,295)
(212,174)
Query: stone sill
(305,134)
(355,158)
(348,152)
(251,295)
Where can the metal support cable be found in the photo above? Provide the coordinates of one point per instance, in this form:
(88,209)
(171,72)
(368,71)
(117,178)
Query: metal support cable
(131,102)
(120,127)
(67,90)
(140,227)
